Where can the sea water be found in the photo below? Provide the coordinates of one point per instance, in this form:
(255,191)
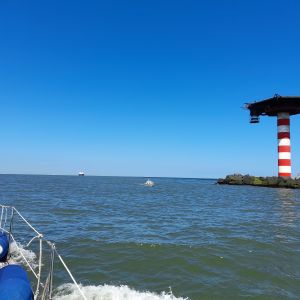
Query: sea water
(182,238)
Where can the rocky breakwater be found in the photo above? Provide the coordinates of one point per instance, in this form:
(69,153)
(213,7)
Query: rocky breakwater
(274,182)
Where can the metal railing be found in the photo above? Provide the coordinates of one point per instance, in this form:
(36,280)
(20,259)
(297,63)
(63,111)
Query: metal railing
(44,288)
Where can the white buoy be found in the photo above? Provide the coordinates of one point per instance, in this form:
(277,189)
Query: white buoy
(149,183)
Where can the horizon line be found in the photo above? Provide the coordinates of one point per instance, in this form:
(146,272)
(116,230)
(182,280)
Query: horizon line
(93,175)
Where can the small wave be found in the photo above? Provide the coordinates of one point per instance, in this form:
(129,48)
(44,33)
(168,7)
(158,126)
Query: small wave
(109,292)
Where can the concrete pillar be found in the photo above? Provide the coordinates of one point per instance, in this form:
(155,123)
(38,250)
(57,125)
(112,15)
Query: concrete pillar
(284,145)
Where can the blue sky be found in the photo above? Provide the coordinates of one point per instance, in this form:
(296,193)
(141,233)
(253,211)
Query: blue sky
(145,88)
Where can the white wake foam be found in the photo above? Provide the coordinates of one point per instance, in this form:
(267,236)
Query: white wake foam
(101,292)
(16,252)
(109,292)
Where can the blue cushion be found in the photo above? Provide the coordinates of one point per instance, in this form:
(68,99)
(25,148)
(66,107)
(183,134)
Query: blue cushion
(14,284)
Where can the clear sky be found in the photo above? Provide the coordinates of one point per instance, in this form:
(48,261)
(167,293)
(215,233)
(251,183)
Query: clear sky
(145,88)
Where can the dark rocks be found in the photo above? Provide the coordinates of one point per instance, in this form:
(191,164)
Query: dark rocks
(276,182)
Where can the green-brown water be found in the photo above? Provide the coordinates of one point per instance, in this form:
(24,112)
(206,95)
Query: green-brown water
(203,240)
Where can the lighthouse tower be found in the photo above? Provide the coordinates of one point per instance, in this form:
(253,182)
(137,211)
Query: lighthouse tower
(281,107)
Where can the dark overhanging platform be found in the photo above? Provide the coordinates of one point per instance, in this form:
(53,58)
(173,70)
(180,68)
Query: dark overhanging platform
(272,106)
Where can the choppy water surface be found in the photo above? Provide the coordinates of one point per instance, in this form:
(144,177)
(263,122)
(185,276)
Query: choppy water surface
(123,240)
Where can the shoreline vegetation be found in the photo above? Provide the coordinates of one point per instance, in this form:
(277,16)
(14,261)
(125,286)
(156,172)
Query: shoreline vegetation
(273,182)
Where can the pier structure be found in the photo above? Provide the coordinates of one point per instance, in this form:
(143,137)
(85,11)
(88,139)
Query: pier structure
(281,107)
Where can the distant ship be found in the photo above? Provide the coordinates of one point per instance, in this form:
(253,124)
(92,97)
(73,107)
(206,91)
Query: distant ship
(81,173)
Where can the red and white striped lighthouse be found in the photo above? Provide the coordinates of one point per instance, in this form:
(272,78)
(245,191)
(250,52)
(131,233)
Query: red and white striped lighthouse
(282,107)
(284,145)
